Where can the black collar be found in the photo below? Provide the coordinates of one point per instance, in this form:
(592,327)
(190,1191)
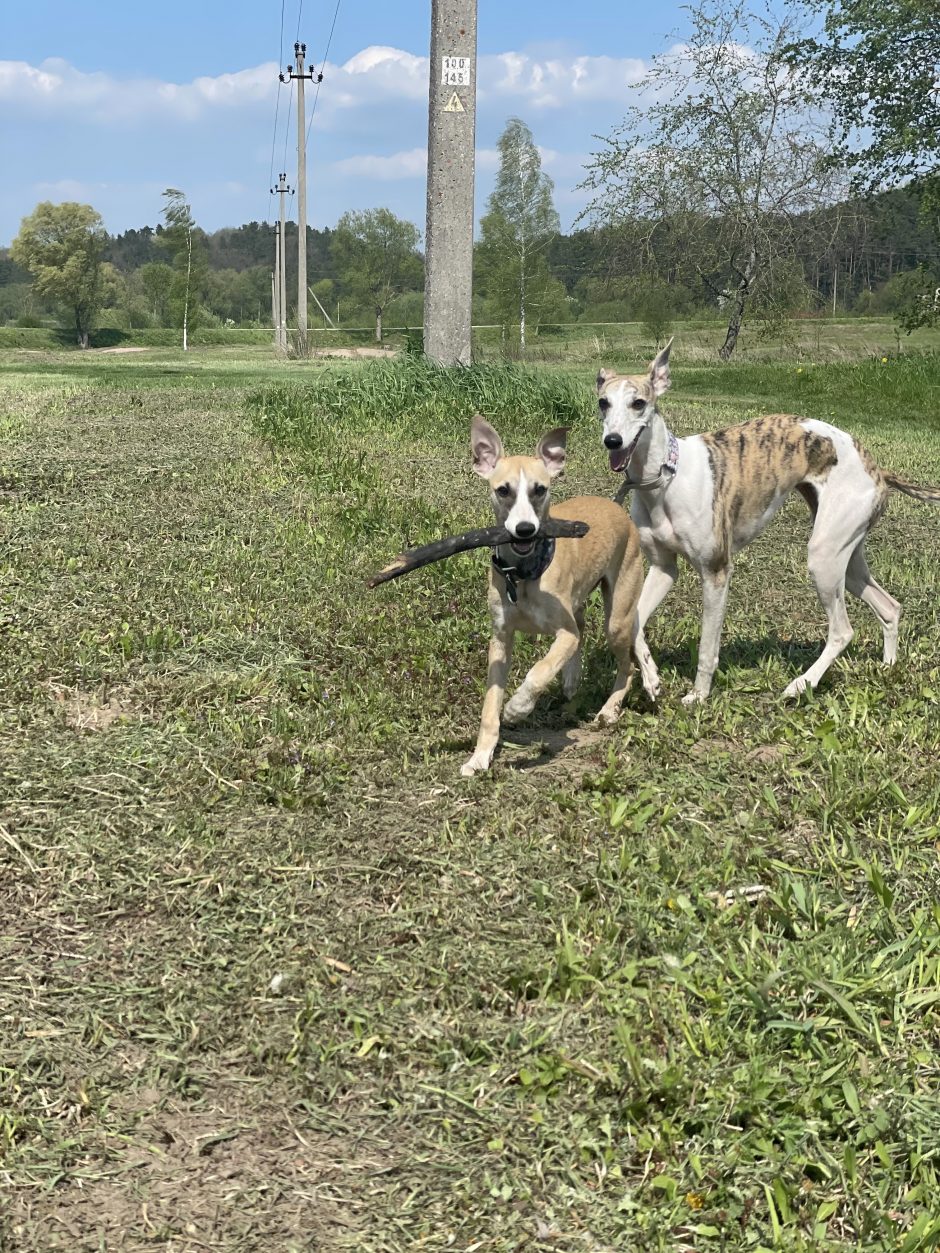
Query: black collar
(525,569)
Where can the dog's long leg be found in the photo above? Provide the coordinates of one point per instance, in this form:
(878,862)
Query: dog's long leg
(499,659)
(571,673)
(827,567)
(714,598)
(883,605)
(619,604)
(662,575)
(564,647)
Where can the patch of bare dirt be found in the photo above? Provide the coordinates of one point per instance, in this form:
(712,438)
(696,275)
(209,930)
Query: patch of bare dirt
(764,754)
(93,711)
(570,750)
(183,1178)
(126,349)
(353,352)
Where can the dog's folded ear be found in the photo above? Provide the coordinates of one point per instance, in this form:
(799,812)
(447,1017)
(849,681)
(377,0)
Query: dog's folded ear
(603,378)
(659,371)
(552,448)
(485,446)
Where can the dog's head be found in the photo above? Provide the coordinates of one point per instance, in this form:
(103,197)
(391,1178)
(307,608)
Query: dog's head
(627,403)
(519,486)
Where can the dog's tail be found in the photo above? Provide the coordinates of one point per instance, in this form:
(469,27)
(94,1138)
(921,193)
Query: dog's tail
(931,494)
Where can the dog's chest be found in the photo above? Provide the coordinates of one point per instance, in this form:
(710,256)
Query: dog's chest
(531,614)
(656,527)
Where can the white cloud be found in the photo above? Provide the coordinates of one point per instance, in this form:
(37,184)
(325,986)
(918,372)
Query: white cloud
(56,88)
(375,73)
(410,164)
(559,82)
(117,140)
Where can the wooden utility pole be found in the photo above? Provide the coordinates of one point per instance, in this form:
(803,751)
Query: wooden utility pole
(280,282)
(296,73)
(448,282)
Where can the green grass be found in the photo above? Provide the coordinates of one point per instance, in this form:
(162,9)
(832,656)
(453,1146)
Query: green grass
(273,976)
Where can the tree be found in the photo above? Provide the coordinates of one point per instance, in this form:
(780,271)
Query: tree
(717,174)
(156,280)
(61,245)
(877,63)
(376,256)
(187,246)
(519,224)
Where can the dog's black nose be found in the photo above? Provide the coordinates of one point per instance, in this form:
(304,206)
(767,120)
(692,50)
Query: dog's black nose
(524,530)
(613,441)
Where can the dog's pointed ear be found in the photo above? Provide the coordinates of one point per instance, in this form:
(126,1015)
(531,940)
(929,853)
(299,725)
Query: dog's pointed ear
(485,445)
(659,371)
(552,449)
(603,378)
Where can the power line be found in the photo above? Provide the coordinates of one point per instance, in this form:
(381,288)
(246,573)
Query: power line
(277,106)
(323,61)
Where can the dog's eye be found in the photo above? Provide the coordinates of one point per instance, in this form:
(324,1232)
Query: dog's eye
(603,404)
(639,403)
(503,490)
(539,489)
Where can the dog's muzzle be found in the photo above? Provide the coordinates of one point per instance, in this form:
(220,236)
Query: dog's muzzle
(620,456)
(524,539)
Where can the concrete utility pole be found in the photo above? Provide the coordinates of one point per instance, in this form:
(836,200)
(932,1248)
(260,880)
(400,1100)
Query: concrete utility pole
(452,101)
(274,308)
(298,75)
(281,259)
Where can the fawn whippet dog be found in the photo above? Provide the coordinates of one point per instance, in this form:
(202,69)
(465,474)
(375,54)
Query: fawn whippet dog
(539,586)
(705,497)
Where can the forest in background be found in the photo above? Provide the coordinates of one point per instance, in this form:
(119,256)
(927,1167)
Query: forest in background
(874,251)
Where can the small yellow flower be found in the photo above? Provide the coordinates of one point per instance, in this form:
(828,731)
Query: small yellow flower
(799,369)
(884,360)
(694,1201)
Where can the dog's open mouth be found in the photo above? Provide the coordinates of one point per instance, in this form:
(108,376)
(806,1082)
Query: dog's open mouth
(522,547)
(620,456)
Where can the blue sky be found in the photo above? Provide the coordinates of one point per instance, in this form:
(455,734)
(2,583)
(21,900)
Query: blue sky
(112,101)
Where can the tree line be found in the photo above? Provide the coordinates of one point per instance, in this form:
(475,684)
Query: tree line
(877,250)
(727,192)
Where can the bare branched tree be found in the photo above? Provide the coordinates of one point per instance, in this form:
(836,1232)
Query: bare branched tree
(716,175)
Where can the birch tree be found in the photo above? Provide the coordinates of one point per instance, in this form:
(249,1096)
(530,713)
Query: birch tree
(714,169)
(180,236)
(519,224)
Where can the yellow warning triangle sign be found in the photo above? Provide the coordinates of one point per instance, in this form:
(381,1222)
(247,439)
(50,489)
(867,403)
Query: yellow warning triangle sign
(453,105)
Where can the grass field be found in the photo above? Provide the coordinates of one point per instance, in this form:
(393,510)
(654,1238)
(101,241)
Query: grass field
(273,977)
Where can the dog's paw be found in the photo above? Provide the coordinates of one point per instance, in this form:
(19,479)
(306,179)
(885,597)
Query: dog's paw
(571,678)
(796,688)
(606,717)
(476,764)
(518,708)
(695,697)
(653,687)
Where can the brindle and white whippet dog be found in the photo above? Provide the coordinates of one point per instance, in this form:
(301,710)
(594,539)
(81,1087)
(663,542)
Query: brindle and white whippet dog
(707,496)
(539,586)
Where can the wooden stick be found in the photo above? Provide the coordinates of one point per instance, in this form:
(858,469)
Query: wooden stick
(483,537)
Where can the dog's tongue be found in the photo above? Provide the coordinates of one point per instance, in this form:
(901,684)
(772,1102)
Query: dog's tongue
(618,459)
